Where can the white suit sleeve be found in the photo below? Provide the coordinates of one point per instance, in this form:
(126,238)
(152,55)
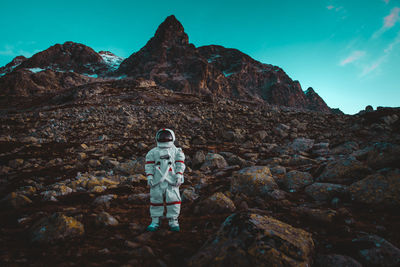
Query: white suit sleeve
(179,161)
(149,167)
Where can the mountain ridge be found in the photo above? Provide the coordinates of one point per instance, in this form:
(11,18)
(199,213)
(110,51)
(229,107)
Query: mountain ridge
(170,61)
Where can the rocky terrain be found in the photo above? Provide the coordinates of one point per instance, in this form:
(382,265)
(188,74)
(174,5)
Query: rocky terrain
(274,176)
(264,184)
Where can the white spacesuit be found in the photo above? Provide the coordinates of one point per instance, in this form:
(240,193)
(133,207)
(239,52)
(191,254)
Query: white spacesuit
(164,170)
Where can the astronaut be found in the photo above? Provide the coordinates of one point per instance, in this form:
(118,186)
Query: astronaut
(164,170)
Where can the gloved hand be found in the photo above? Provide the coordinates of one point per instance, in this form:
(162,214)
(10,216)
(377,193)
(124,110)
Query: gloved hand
(179,179)
(149,182)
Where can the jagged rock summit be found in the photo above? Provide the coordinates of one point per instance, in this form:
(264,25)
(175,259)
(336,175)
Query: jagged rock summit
(170,61)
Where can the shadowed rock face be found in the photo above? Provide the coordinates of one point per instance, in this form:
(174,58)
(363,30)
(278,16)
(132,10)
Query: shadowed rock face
(24,82)
(169,59)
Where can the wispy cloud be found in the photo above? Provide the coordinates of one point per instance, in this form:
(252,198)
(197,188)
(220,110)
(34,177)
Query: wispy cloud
(386,1)
(388,22)
(335,8)
(7,50)
(354,56)
(12,50)
(367,69)
(392,18)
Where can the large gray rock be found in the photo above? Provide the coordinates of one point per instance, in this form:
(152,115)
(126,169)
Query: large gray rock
(198,159)
(296,180)
(253,181)
(214,161)
(55,227)
(217,203)
(326,191)
(373,250)
(346,148)
(301,144)
(344,170)
(248,239)
(105,219)
(383,155)
(378,188)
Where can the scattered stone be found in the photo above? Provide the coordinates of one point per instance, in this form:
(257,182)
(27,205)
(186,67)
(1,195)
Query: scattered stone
(214,161)
(16,163)
(301,144)
(296,180)
(253,181)
(344,170)
(104,200)
(346,148)
(94,163)
(105,219)
(189,194)
(326,191)
(54,228)
(198,159)
(217,203)
(378,188)
(374,250)
(382,155)
(246,239)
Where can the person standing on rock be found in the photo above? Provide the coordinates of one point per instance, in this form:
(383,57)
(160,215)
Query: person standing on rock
(164,171)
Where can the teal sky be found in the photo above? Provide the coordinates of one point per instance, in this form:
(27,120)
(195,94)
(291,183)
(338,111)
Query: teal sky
(347,50)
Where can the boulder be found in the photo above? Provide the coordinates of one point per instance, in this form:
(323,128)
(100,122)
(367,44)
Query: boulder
(214,161)
(189,194)
(131,167)
(198,159)
(344,170)
(105,219)
(378,188)
(296,180)
(249,239)
(217,203)
(382,155)
(326,191)
(253,181)
(373,250)
(346,148)
(104,200)
(301,144)
(54,228)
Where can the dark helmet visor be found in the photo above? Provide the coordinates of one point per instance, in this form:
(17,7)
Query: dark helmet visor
(164,136)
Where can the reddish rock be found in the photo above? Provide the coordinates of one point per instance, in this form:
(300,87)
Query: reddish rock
(69,56)
(169,59)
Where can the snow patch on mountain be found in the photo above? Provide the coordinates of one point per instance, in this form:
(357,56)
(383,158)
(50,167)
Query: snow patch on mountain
(35,70)
(111,60)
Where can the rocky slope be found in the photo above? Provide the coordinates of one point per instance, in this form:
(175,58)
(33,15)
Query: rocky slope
(169,60)
(264,184)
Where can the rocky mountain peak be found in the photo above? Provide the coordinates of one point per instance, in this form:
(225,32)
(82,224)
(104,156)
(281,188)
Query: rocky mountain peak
(171,31)
(67,56)
(12,65)
(315,101)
